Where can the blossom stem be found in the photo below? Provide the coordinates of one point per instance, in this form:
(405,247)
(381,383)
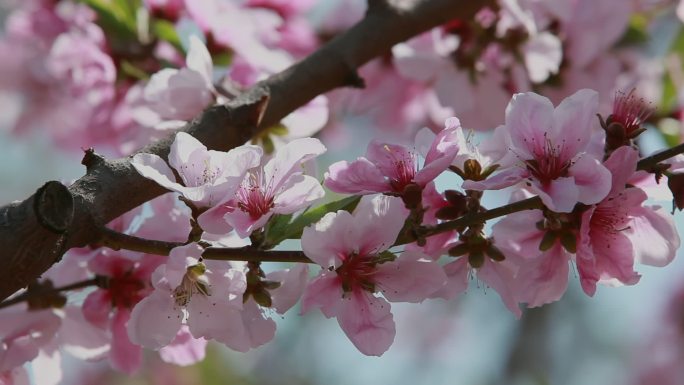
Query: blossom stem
(117,241)
(249,254)
(650,161)
(483,216)
(25,296)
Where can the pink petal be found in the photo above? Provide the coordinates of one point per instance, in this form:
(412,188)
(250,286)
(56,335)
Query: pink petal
(213,220)
(323,292)
(622,165)
(407,280)
(574,121)
(184,350)
(80,338)
(560,195)
(499,277)
(653,235)
(329,238)
(457,279)
(377,222)
(292,284)
(296,193)
(593,180)
(155,168)
(124,356)
(544,279)
(387,157)
(543,53)
(211,318)
(96,308)
(505,178)
(288,160)
(358,177)
(244,224)
(614,256)
(155,320)
(368,323)
(199,60)
(529,116)
(260,328)
(442,152)
(183,146)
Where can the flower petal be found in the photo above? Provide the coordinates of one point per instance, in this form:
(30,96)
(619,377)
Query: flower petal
(409,280)
(155,320)
(358,177)
(368,322)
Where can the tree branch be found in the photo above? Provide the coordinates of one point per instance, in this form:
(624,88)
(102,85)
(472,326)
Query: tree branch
(33,239)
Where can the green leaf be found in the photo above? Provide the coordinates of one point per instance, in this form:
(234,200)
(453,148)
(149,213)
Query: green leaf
(282,227)
(165,30)
(118,16)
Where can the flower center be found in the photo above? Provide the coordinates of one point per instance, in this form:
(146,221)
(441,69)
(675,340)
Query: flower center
(405,168)
(126,290)
(252,198)
(357,272)
(548,164)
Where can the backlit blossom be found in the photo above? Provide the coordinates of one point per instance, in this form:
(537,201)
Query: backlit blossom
(550,146)
(390,168)
(207,176)
(349,248)
(277,187)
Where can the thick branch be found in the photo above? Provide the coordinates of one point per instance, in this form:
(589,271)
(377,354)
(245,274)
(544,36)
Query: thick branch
(110,188)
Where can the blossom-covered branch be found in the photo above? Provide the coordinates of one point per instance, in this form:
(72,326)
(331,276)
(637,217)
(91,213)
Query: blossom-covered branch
(112,187)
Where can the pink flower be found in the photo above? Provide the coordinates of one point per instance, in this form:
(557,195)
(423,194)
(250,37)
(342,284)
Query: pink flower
(22,335)
(109,308)
(351,250)
(208,176)
(619,230)
(204,295)
(390,168)
(182,94)
(277,187)
(540,276)
(551,146)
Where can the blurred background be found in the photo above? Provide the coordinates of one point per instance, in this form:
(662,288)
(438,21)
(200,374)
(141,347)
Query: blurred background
(625,335)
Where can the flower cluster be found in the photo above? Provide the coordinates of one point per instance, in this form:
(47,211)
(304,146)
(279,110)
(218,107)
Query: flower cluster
(190,267)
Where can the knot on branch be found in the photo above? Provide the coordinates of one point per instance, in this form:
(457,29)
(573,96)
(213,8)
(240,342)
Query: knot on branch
(53,207)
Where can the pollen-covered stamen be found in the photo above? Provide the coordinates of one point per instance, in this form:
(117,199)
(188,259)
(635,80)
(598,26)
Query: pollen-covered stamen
(630,111)
(193,282)
(207,176)
(255,195)
(611,219)
(405,168)
(357,272)
(548,163)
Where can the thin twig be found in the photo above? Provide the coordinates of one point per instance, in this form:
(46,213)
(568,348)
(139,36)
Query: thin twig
(28,294)
(117,241)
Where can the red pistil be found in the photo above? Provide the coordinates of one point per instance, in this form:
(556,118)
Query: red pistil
(357,272)
(125,290)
